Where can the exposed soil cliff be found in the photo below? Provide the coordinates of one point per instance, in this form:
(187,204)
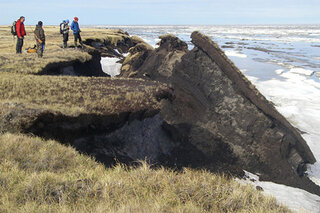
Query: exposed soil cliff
(221,108)
(193,108)
(66,108)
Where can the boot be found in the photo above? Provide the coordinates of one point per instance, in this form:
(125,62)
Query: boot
(76,44)
(64,45)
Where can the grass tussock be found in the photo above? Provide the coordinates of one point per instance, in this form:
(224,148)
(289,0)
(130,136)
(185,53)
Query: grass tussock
(80,95)
(44,176)
(28,63)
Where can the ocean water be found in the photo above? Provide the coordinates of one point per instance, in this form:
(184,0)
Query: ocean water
(283,61)
(265,47)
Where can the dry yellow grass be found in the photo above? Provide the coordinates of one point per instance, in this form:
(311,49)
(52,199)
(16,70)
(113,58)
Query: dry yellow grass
(44,176)
(74,95)
(32,180)
(28,63)
(54,38)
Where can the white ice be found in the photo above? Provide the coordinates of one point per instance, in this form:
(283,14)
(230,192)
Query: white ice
(110,66)
(279,71)
(301,71)
(295,199)
(235,54)
(297,97)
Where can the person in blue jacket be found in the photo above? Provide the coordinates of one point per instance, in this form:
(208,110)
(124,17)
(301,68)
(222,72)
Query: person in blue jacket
(76,32)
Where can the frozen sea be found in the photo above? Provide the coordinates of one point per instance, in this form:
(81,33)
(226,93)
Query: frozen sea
(283,61)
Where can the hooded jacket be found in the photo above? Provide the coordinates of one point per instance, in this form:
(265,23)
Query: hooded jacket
(39,33)
(75,27)
(20,29)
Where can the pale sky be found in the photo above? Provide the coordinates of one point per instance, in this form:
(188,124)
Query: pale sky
(162,12)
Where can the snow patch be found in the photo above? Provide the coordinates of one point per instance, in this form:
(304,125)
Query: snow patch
(235,54)
(125,54)
(110,66)
(117,51)
(301,71)
(279,71)
(295,199)
(297,98)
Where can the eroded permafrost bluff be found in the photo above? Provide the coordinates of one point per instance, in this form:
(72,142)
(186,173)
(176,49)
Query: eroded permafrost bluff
(217,110)
(202,112)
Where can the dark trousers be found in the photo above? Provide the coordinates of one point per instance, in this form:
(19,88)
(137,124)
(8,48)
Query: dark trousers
(76,37)
(19,45)
(65,40)
(39,49)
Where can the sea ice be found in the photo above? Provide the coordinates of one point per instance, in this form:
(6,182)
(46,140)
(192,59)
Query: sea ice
(297,98)
(279,71)
(296,199)
(235,54)
(301,71)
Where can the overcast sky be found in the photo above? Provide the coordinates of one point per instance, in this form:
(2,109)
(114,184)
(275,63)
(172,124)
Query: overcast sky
(164,12)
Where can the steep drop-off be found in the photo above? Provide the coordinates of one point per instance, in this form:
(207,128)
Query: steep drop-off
(193,108)
(220,106)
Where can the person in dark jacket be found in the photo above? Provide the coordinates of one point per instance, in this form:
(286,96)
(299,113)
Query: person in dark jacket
(76,32)
(40,38)
(65,32)
(21,32)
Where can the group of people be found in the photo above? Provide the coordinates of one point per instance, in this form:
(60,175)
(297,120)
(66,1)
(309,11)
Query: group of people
(40,35)
(64,30)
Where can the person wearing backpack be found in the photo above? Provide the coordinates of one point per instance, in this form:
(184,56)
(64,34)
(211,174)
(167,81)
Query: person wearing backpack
(64,30)
(21,32)
(40,39)
(76,32)
(14,28)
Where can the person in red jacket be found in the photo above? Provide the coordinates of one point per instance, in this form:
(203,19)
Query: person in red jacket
(21,32)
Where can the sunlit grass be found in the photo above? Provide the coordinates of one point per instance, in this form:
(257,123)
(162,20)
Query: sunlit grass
(44,176)
(81,94)
(28,63)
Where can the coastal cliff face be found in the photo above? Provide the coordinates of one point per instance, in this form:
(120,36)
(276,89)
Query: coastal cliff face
(172,106)
(225,113)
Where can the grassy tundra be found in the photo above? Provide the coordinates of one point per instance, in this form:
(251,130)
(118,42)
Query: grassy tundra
(30,64)
(45,176)
(38,175)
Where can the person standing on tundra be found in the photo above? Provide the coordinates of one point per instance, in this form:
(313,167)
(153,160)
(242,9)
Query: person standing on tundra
(40,39)
(21,32)
(64,30)
(76,32)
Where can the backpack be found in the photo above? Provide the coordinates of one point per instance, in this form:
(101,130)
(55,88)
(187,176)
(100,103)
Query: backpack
(61,28)
(13,28)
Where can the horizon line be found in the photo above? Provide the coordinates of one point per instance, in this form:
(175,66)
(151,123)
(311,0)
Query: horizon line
(266,24)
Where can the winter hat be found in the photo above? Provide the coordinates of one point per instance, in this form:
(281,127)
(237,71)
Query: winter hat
(40,23)
(76,18)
